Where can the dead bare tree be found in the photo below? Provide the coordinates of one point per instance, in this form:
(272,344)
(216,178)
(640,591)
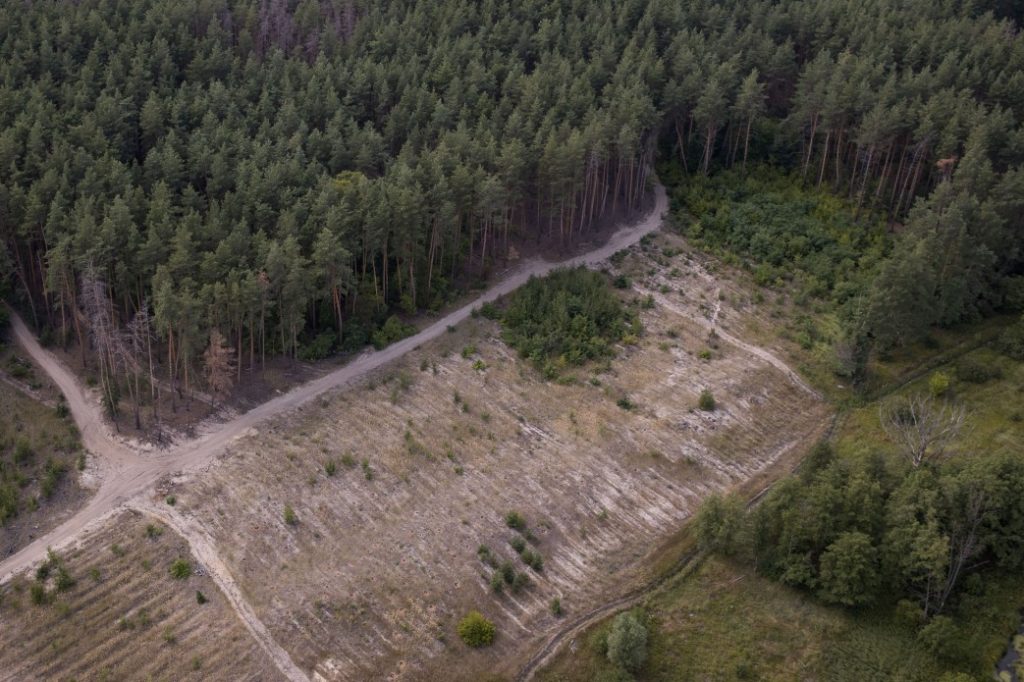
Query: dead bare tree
(96,306)
(219,363)
(921,427)
(964,544)
(138,342)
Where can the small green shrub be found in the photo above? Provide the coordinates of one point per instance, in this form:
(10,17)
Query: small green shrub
(52,475)
(515,521)
(556,607)
(497,582)
(154,531)
(475,630)
(289,515)
(490,311)
(330,467)
(520,582)
(393,330)
(627,642)
(625,403)
(706,401)
(38,594)
(180,569)
(533,560)
(171,500)
(518,544)
(200,598)
(63,581)
(938,384)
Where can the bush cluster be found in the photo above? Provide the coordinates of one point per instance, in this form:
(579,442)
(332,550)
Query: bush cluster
(565,320)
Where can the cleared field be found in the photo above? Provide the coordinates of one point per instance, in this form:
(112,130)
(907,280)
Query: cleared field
(125,616)
(392,486)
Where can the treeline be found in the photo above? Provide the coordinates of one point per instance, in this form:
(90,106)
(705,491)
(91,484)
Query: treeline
(862,532)
(287,174)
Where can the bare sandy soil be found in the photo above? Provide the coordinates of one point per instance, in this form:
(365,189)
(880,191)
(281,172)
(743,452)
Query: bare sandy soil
(126,617)
(433,441)
(371,580)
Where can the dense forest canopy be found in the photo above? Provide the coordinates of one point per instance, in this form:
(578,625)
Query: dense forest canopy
(275,170)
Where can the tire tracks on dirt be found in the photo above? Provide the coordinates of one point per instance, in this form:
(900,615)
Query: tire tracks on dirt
(204,550)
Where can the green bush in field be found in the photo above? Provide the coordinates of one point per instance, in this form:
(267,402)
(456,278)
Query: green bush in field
(475,630)
(706,401)
(938,384)
(393,330)
(719,523)
(627,642)
(181,569)
(565,320)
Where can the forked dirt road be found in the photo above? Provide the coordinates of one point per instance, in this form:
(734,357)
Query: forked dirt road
(127,477)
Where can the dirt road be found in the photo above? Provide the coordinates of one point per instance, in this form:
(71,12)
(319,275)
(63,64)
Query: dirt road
(128,476)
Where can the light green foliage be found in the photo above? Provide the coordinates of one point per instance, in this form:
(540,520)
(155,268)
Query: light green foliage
(180,568)
(938,384)
(475,630)
(848,570)
(720,523)
(627,641)
(706,401)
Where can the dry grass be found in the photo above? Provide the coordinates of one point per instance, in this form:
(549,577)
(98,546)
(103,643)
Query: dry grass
(125,617)
(371,580)
(50,438)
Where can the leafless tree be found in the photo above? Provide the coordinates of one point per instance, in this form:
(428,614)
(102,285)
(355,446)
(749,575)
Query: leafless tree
(964,544)
(139,339)
(922,427)
(102,330)
(219,362)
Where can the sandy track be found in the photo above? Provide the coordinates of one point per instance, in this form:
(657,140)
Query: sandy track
(203,549)
(128,476)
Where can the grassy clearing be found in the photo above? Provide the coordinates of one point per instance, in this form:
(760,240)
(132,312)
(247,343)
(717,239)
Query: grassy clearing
(723,621)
